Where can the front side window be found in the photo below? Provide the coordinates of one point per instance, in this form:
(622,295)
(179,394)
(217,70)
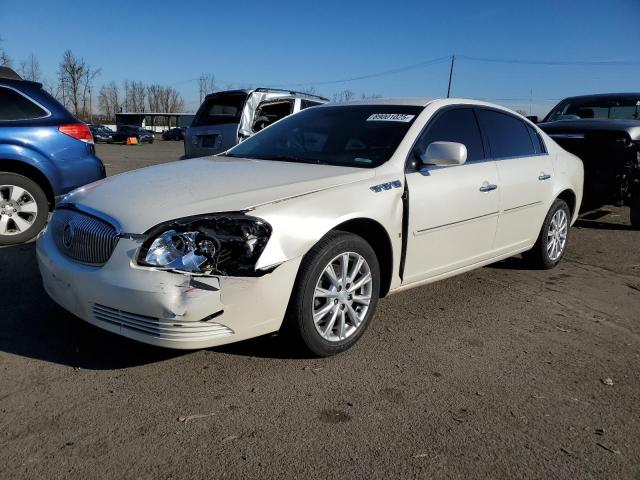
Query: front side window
(363,136)
(458,125)
(14,106)
(508,136)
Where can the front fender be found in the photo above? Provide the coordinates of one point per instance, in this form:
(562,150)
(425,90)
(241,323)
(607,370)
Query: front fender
(299,223)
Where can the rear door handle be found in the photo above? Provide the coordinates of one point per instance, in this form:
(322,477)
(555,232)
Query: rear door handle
(487,187)
(544,176)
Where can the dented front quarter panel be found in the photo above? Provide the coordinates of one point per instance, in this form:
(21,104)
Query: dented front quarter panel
(295,233)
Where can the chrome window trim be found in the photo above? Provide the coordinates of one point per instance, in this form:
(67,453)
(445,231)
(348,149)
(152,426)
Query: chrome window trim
(48,112)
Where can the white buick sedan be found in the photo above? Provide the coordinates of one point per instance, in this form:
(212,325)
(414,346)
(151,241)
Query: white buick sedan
(304,226)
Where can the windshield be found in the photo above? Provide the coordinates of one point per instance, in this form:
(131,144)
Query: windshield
(619,108)
(351,135)
(220,109)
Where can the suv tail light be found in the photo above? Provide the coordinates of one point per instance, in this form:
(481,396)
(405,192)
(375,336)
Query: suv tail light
(79,131)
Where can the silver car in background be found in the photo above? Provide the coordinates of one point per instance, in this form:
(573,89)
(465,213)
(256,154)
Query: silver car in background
(226,118)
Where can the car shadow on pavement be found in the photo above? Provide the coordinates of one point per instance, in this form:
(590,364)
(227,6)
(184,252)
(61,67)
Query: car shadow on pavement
(512,263)
(32,325)
(585,223)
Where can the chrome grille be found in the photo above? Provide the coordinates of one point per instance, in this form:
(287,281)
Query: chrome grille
(158,327)
(83,237)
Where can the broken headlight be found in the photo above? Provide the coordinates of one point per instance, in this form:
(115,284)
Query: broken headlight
(224,244)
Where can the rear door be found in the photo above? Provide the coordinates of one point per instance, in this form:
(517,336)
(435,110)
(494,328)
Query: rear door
(525,170)
(453,211)
(215,126)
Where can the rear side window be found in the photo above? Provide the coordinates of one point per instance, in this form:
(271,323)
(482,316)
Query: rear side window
(508,136)
(14,106)
(459,125)
(268,113)
(220,109)
(308,103)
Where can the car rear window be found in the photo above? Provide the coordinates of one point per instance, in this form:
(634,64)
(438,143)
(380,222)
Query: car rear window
(220,109)
(15,106)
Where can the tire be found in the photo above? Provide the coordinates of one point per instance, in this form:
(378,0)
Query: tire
(299,321)
(22,215)
(635,210)
(544,255)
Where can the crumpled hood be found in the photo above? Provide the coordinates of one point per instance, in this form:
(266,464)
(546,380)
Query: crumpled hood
(143,198)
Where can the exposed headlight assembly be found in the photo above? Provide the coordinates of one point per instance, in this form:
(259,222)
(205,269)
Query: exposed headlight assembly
(220,244)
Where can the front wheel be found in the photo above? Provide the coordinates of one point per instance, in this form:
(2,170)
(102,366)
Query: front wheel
(552,241)
(23,209)
(335,295)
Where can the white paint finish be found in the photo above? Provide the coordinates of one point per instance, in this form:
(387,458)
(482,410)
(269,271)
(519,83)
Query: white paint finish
(525,199)
(146,197)
(453,226)
(451,222)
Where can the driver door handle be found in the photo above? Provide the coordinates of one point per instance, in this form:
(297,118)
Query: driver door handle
(487,187)
(544,176)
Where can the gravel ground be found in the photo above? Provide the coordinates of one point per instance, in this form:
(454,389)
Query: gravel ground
(503,372)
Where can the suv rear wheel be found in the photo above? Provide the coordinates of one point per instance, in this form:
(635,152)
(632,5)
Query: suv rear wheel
(23,209)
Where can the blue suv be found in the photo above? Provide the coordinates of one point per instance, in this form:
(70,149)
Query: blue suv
(45,152)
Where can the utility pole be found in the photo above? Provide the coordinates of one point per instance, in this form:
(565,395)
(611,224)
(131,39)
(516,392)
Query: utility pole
(453,61)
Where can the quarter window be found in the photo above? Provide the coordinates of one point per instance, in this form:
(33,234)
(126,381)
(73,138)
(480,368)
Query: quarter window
(508,136)
(14,106)
(538,143)
(458,125)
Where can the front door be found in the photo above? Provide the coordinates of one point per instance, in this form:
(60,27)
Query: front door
(452,211)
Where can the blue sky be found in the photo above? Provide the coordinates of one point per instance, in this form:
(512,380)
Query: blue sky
(290,43)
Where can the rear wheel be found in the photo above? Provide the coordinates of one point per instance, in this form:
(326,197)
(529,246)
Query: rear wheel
(23,209)
(552,241)
(335,295)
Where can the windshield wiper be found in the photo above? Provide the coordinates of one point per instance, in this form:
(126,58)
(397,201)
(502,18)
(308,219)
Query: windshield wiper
(288,158)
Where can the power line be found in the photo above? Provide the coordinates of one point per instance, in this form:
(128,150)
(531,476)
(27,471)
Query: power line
(597,63)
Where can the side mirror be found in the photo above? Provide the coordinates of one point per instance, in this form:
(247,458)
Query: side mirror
(444,153)
(533,118)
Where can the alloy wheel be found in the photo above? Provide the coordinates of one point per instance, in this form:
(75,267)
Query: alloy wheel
(342,296)
(18,210)
(557,235)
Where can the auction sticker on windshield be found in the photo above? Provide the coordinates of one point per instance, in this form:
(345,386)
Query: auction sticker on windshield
(390,117)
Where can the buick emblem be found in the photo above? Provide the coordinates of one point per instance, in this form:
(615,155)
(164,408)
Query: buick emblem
(68,235)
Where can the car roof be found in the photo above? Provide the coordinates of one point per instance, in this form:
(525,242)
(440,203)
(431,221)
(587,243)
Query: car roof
(605,95)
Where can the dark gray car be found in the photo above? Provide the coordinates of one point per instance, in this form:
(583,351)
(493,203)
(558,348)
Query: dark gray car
(226,118)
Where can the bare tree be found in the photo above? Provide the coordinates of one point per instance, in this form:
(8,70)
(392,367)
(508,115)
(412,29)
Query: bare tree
(30,69)
(75,83)
(5,59)
(109,100)
(206,85)
(309,90)
(366,96)
(343,96)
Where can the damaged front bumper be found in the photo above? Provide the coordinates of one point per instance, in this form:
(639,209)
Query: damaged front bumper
(164,308)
